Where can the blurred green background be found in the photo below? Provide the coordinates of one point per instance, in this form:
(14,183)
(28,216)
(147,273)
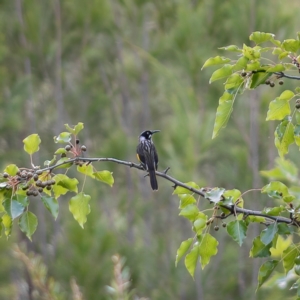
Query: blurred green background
(120,67)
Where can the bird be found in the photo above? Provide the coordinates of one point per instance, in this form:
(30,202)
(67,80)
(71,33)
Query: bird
(147,155)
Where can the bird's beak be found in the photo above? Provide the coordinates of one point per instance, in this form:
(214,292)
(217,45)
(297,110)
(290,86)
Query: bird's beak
(154,131)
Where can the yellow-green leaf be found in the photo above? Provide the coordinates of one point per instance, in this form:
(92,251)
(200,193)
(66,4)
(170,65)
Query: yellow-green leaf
(278,109)
(80,208)
(223,72)
(191,259)
(208,246)
(284,137)
(291,45)
(286,95)
(28,223)
(183,248)
(31,143)
(11,170)
(63,137)
(104,176)
(261,37)
(87,170)
(218,60)
(265,271)
(224,111)
(181,190)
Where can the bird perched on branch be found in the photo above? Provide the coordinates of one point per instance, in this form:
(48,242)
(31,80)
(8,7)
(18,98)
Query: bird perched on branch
(147,155)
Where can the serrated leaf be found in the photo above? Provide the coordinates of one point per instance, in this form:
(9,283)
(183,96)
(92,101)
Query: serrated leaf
(284,136)
(51,204)
(190,212)
(207,248)
(104,176)
(291,45)
(223,72)
(28,223)
(86,169)
(217,60)
(7,223)
(64,137)
(261,37)
(231,48)
(200,223)
(259,249)
(289,256)
(181,190)
(183,248)
(268,234)
(237,230)
(31,143)
(281,245)
(13,208)
(191,259)
(276,68)
(186,199)
(80,208)
(224,111)
(11,170)
(278,109)
(214,195)
(265,271)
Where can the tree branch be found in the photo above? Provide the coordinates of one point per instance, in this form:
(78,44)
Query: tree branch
(232,208)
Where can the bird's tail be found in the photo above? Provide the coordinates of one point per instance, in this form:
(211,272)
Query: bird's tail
(153,180)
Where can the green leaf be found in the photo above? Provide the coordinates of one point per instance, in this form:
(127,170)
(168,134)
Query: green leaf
(232,48)
(284,229)
(63,166)
(259,249)
(291,45)
(51,204)
(278,109)
(234,81)
(251,53)
(31,143)
(224,111)
(80,208)
(276,68)
(277,190)
(86,169)
(265,271)
(13,208)
(48,163)
(190,212)
(297,135)
(261,37)
(104,176)
(215,195)
(268,234)
(28,223)
(64,137)
(11,170)
(259,78)
(7,223)
(200,223)
(61,151)
(207,248)
(186,199)
(286,95)
(181,190)
(231,196)
(191,259)
(66,182)
(77,128)
(289,256)
(237,230)
(253,66)
(284,136)
(183,248)
(223,72)
(218,60)
(240,64)
(274,211)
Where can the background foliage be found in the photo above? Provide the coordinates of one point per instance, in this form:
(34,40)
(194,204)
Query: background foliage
(121,67)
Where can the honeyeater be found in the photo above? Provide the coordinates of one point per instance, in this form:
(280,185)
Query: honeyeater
(147,155)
